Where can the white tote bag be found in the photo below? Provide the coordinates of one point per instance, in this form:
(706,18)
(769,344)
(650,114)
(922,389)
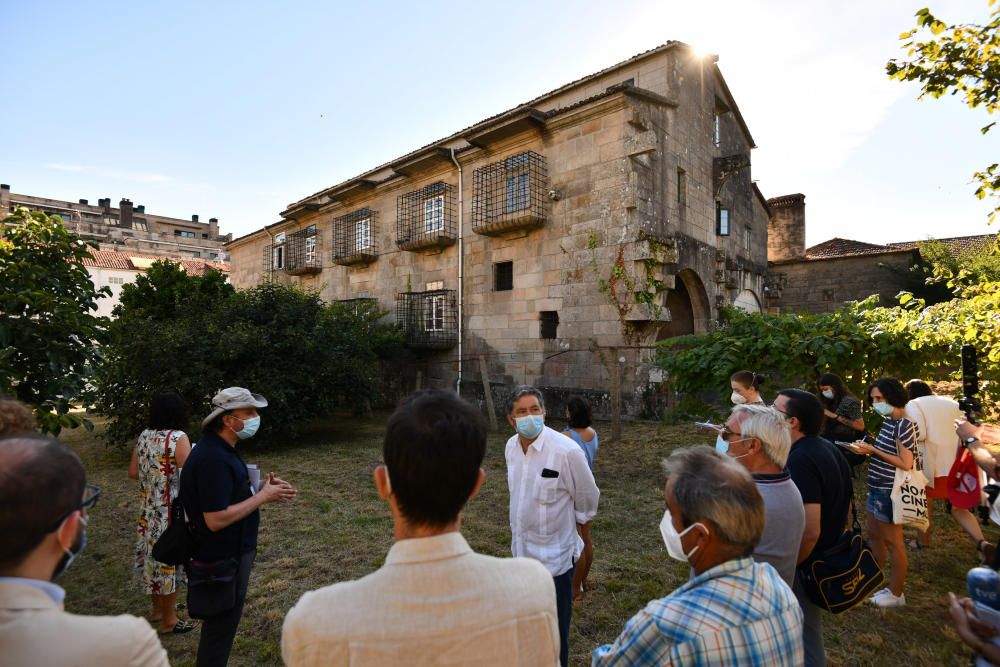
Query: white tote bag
(909,495)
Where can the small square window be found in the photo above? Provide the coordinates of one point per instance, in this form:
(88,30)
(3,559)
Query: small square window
(549,324)
(204,236)
(721,220)
(503,276)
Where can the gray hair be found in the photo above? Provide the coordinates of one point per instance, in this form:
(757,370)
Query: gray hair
(711,487)
(770,427)
(522,391)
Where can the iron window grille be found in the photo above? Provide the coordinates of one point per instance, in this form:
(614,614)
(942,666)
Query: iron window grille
(301,252)
(355,238)
(428,319)
(510,195)
(274,256)
(425,218)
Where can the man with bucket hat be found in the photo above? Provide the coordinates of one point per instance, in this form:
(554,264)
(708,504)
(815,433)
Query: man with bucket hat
(222,507)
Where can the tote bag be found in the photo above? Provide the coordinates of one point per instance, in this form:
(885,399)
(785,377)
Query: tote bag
(909,495)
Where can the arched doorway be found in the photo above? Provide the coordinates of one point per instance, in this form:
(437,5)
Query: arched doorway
(688,306)
(747,302)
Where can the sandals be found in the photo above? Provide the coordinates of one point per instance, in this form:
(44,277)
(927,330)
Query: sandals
(182,626)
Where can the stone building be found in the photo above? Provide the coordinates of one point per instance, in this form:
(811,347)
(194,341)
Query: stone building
(551,244)
(127,227)
(823,277)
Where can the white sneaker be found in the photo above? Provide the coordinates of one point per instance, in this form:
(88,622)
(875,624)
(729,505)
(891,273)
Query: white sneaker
(884,599)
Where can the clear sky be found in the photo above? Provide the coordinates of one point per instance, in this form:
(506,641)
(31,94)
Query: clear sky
(235,109)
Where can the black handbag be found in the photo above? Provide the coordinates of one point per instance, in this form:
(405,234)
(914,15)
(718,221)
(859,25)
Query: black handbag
(174,545)
(844,575)
(211,587)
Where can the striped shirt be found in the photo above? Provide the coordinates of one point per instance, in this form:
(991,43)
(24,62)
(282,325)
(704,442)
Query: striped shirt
(736,613)
(882,473)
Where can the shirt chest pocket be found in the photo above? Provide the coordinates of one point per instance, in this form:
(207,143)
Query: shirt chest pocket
(547,490)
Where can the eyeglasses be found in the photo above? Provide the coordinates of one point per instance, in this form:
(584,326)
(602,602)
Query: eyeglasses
(91,493)
(727,432)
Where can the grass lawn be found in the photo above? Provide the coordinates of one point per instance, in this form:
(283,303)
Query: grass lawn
(339,529)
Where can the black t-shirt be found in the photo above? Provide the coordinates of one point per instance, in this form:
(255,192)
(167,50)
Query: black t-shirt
(214,477)
(824,478)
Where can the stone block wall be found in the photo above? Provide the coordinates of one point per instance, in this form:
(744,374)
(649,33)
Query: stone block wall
(822,285)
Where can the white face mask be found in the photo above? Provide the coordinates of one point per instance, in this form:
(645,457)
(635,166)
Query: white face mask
(737,399)
(672,538)
(828,393)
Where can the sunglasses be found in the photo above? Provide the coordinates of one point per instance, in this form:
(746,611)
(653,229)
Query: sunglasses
(91,493)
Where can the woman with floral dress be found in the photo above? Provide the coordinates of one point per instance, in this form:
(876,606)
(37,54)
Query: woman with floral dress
(158,457)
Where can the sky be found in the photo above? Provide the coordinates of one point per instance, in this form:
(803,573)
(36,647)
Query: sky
(235,109)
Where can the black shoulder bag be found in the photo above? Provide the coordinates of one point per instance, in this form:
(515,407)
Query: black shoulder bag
(174,545)
(844,575)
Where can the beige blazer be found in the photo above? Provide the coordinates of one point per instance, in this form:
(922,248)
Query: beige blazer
(434,602)
(35,631)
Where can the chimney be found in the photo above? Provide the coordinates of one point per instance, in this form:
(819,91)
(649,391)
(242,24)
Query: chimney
(194,218)
(213,228)
(85,202)
(141,208)
(125,217)
(786,228)
(105,202)
(4,200)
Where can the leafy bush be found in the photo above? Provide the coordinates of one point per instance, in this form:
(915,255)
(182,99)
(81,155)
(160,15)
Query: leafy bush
(196,335)
(48,334)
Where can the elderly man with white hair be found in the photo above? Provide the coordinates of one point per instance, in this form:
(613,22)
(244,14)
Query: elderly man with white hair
(734,611)
(758,437)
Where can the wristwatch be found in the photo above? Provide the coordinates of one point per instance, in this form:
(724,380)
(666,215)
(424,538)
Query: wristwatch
(968,441)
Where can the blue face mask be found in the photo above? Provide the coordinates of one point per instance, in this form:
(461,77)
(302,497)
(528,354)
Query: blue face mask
(722,444)
(530,427)
(71,554)
(828,393)
(882,408)
(250,427)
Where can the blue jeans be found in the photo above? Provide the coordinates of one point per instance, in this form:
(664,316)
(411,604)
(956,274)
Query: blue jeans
(879,504)
(564,607)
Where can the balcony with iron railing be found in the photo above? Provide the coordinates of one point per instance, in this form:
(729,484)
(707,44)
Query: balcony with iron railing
(428,320)
(355,238)
(425,218)
(510,195)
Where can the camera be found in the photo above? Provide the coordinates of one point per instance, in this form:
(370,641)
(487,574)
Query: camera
(969,403)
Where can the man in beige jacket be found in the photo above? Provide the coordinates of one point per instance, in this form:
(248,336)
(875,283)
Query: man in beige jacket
(44,501)
(435,601)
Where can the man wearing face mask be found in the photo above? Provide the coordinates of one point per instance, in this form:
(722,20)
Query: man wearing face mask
(223,508)
(733,611)
(758,437)
(551,491)
(44,500)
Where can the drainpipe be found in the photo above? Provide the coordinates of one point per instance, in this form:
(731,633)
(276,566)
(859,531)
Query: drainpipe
(461,267)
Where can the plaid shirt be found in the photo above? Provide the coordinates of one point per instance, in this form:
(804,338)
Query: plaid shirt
(736,613)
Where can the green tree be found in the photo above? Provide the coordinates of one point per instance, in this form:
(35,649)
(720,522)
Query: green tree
(959,59)
(196,335)
(49,335)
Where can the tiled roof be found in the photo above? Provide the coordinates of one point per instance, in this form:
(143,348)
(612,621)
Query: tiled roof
(113,259)
(838,247)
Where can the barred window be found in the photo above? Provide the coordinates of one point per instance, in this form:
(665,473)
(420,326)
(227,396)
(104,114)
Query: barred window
(363,234)
(434,214)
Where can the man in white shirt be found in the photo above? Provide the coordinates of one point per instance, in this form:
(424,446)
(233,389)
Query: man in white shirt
(44,501)
(551,491)
(435,601)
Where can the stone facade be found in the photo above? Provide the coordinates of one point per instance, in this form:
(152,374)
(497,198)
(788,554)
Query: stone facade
(127,227)
(824,284)
(611,192)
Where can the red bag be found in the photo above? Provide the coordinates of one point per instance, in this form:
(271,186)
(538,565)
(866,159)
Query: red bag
(963,482)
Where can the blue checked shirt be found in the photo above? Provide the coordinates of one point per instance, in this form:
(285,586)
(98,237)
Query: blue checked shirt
(736,613)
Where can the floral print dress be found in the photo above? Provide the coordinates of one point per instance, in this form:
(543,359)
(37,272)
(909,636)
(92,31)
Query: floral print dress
(155,455)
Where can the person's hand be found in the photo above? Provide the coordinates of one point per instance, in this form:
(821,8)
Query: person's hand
(967,430)
(275,489)
(860,447)
(829,414)
(970,629)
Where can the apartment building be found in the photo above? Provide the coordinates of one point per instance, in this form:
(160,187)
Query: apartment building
(552,244)
(127,227)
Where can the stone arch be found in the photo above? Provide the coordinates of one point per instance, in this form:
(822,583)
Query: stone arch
(747,301)
(689,307)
